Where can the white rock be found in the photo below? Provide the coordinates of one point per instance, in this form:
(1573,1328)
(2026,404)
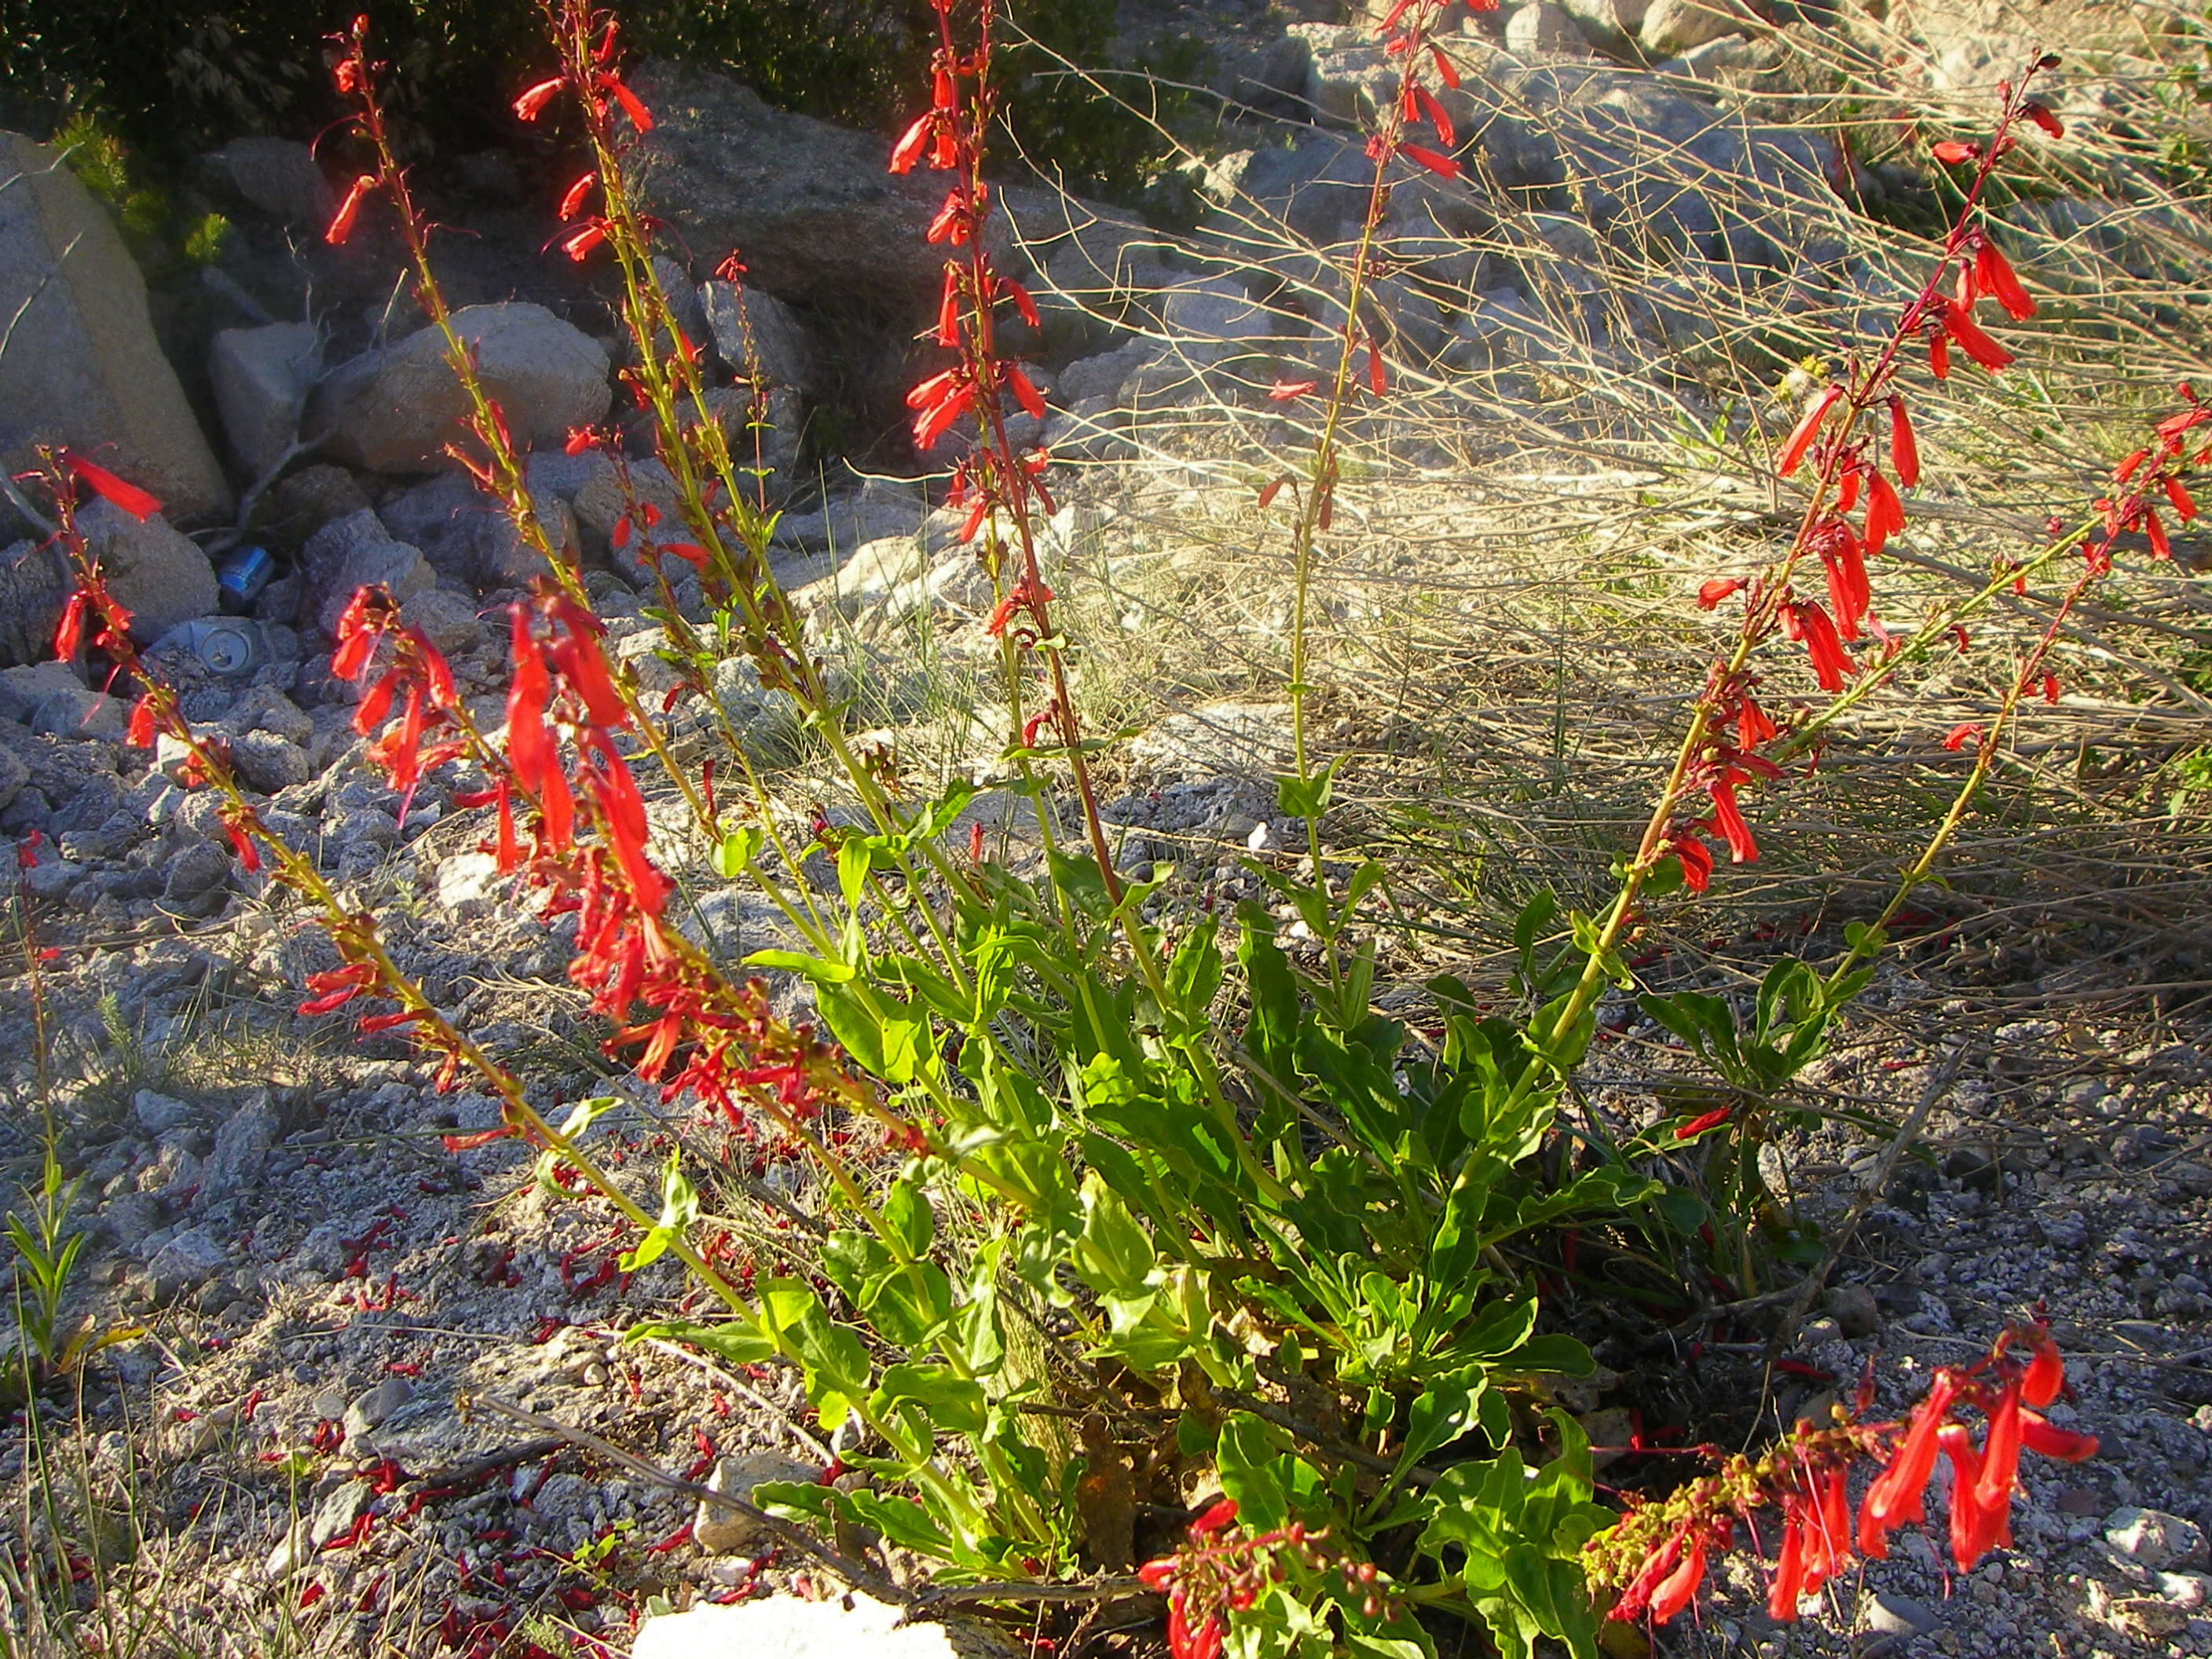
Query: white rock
(2154,1539)
(855,1627)
(726,1532)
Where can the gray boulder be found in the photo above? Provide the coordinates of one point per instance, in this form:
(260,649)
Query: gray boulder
(396,409)
(1542,28)
(1611,26)
(155,572)
(82,367)
(1671,27)
(810,205)
(778,339)
(260,376)
(276,177)
(34,582)
(358,551)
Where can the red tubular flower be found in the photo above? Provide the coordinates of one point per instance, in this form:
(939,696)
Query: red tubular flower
(68,632)
(1720,587)
(1848,592)
(2185,505)
(1676,1590)
(2154,532)
(505,851)
(1728,820)
(573,202)
(110,488)
(907,150)
(1808,426)
(1696,859)
(370,711)
(532,104)
(1903,450)
(1788,1579)
(1959,323)
(580,241)
(1443,165)
(1217,1516)
(1830,663)
(1893,1500)
(1971,1527)
(2047,1439)
(2046,1373)
(623,812)
(1712,1119)
(1994,276)
(141,732)
(1885,513)
(349,209)
(1024,392)
(1284,392)
(249,858)
(639,116)
(2000,1455)
(1956,152)
(2043,118)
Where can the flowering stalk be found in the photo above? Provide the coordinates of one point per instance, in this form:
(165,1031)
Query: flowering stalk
(1722,747)
(1408,31)
(418,677)
(1221,1569)
(499,472)
(1652,1562)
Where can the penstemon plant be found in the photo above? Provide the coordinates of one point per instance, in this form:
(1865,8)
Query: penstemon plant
(1088,1158)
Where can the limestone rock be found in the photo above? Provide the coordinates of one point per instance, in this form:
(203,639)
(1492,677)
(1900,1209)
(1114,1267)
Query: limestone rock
(779,339)
(260,376)
(395,410)
(854,1626)
(1611,26)
(157,573)
(1671,27)
(82,367)
(727,1532)
(1542,28)
(809,203)
(276,177)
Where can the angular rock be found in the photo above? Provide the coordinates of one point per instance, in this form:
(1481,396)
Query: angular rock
(853,1626)
(267,763)
(242,1150)
(82,367)
(24,687)
(395,410)
(260,376)
(196,880)
(78,712)
(2155,1539)
(809,203)
(778,339)
(158,1114)
(1541,28)
(192,1257)
(276,177)
(353,552)
(34,584)
(729,1532)
(1611,26)
(1671,27)
(157,573)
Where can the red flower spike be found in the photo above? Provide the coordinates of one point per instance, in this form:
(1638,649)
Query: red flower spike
(532,104)
(1808,426)
(1904,451)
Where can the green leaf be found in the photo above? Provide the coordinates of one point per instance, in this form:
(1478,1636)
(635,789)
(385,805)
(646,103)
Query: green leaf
(952,1403)
(1443,1412)
(734,854)
(820,969)
(854,857)
(679,1208)
(1307,797)
(734,1341)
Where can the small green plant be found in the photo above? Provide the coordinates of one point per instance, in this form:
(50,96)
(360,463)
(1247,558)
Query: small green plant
(46,1251)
